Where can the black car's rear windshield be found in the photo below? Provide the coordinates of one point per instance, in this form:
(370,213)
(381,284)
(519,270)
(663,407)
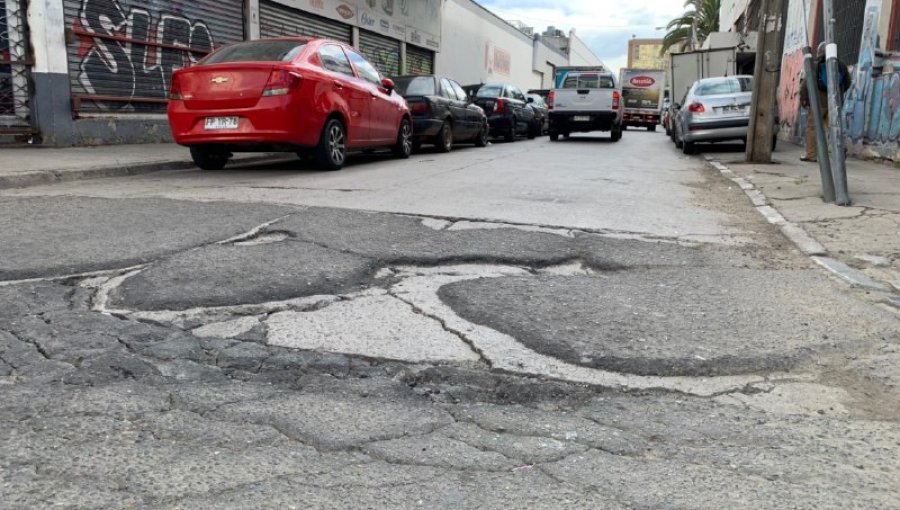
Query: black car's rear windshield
(257,51)
(414,85)
(490,91)
(588,81)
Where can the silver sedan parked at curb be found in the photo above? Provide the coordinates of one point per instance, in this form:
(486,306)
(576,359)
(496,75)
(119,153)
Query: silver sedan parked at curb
(714,110)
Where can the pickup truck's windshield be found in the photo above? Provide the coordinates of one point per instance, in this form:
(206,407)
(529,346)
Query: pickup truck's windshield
(587,81)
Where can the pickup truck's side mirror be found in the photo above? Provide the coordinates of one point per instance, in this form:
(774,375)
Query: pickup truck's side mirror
(529,100)
(677,106)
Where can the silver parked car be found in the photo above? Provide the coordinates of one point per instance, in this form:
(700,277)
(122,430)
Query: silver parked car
(713,110)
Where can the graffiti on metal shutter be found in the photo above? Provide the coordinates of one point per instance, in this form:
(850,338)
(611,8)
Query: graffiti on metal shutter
(127,57)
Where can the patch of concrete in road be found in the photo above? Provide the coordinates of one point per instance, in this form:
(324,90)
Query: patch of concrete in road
(667,322)
(376,326)
(797,398)
(54,236)
(227,329)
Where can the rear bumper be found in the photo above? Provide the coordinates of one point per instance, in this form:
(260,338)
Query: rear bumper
(499,125)
(583,121)
(644,119)
(714,131)
(424,128)
(274,120)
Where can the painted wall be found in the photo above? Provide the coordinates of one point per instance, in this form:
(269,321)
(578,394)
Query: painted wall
(872,105)
(547,57)
(479,47)
(729,13)
(580,54)
(791,116)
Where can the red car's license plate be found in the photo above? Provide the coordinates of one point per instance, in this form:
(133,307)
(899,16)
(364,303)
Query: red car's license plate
(213,123)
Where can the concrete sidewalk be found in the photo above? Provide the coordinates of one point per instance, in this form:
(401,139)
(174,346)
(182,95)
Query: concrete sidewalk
(860,243)
(30,166)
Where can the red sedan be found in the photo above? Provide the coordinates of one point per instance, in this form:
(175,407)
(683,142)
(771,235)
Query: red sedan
(290,94)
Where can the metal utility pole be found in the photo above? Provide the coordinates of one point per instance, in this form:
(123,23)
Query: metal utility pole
(842,196)
(815,116)
(765,82)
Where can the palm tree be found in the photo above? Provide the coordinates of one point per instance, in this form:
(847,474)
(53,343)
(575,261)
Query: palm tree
(692,27)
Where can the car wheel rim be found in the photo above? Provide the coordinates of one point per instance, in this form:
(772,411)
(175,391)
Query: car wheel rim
(448,137)
(336,144)
(406,138)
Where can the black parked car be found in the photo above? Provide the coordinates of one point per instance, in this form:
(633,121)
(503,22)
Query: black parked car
(507,111)
(541,112)
(442,112)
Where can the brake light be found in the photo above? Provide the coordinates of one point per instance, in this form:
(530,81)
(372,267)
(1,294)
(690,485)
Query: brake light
(616,98)
(175,90)
(696,108)
(550,98)
(419,108)
(281,82)
(500,106)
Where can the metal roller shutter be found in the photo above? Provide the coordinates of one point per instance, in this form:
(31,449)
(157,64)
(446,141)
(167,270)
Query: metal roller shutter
(123,51)
(276,20)
(382,51)
(419,60)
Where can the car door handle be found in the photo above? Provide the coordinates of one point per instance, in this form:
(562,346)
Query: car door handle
(372,94)
(338,85)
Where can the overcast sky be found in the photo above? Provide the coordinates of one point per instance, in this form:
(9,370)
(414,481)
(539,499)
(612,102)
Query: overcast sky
(604,25)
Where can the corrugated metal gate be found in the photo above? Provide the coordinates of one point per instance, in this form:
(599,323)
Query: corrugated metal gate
(15,69)
(382,51)
(123,52)
(276,20)
(419,60)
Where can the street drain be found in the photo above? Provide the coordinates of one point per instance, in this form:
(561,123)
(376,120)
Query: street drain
(263,238)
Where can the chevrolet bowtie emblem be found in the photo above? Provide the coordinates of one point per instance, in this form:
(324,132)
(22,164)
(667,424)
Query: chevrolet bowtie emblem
(219,80)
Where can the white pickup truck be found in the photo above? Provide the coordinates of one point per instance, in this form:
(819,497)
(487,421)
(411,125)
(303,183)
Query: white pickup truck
(585,98)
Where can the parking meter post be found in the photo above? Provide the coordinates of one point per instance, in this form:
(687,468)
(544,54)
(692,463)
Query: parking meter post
(839,169)
(815,116)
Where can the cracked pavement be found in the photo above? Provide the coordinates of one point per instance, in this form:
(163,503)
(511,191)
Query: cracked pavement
(165,351)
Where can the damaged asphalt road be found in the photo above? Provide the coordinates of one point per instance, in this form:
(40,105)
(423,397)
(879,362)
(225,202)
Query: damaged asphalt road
(178,354)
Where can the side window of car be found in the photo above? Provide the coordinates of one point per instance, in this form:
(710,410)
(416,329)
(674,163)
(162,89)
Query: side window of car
(334,59)
(460,93)
(516,94)
(364,68)
(447,89)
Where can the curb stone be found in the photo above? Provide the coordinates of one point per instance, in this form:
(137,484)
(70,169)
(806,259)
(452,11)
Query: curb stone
(41,177)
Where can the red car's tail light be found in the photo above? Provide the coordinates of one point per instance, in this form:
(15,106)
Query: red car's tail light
(696,108)
(281,82)
(616,98)
(175,90)
(550,99)
(500,106)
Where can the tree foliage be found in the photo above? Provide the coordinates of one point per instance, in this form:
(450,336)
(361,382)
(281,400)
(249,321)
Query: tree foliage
(701,15)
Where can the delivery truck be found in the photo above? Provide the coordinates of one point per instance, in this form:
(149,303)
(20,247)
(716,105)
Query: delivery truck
(642,95)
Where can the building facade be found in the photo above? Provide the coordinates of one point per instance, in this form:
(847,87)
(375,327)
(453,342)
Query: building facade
(81,72)
(645,54)
(868,39)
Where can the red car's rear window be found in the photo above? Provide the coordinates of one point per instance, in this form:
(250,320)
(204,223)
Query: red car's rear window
(257,51)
